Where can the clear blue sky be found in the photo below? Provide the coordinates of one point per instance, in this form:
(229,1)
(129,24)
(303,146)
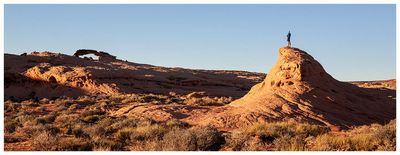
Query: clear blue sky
(352,42)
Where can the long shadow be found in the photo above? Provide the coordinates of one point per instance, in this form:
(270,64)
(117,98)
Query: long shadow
(354,105)
(18,87)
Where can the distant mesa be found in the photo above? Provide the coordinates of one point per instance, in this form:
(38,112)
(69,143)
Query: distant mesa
(103,56)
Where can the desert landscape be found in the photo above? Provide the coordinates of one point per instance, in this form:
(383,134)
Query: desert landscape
(61,102)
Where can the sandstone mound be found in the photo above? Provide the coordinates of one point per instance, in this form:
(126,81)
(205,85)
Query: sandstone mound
(298,88)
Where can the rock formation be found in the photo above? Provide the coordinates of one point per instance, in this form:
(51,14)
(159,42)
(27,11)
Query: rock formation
(51,75)
(298,88)
(103,56)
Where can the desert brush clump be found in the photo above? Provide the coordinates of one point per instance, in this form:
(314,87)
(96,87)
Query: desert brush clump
(203,138)
(364,138)
(208,101)
(287,136)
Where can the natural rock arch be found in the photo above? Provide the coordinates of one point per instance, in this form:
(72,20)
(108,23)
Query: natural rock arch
(102,55)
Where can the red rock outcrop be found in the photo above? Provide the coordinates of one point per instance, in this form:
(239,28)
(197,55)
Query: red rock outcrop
(86,77)
(298,88)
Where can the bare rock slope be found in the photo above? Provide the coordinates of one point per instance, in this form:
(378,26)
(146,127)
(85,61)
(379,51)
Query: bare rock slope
(51,75)
(298,88)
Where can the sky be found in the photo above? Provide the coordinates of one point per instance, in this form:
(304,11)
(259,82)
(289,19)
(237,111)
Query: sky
(352,42)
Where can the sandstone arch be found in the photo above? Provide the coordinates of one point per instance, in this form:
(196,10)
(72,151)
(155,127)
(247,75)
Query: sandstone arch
(103,56)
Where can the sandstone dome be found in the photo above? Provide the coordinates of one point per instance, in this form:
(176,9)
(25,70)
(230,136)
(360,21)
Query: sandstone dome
(298,88)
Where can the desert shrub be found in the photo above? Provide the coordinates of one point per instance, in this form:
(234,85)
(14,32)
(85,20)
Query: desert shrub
(79,132)
(124,123)
(208,101)
(61,108)
(173,100)
(365,138)
(265,136)
(10,106)
(207,138)
(44,141)
(224,100)
(288,143)
(11,139)
(91,118)
(124,134)
(198,138)
(156,99)
(239,141)
(107,145)
(73,107)
(141,133)
(331,142)
(176,123)
(100,129)
(73,144)
(85,101)
(387,136)
(92,112)
(64,102)
(271,130)
(178,140)
(22,118)
(46,119)
(44,101)
(193,101)
(96,131)
(363,142)
(67,119)
(310,130)
(253,138)
(131,98)
(104,105)
(30,129)
(106,122)
(29,104)
(10,125)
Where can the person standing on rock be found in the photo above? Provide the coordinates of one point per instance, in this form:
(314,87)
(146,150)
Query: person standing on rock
(288,39)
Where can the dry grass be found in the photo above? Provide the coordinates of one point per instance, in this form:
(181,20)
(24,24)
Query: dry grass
(367,138)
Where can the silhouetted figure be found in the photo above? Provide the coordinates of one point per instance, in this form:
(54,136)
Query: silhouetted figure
(288,39)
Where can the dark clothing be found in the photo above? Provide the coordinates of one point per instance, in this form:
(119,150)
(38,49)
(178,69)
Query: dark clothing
(288,37)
